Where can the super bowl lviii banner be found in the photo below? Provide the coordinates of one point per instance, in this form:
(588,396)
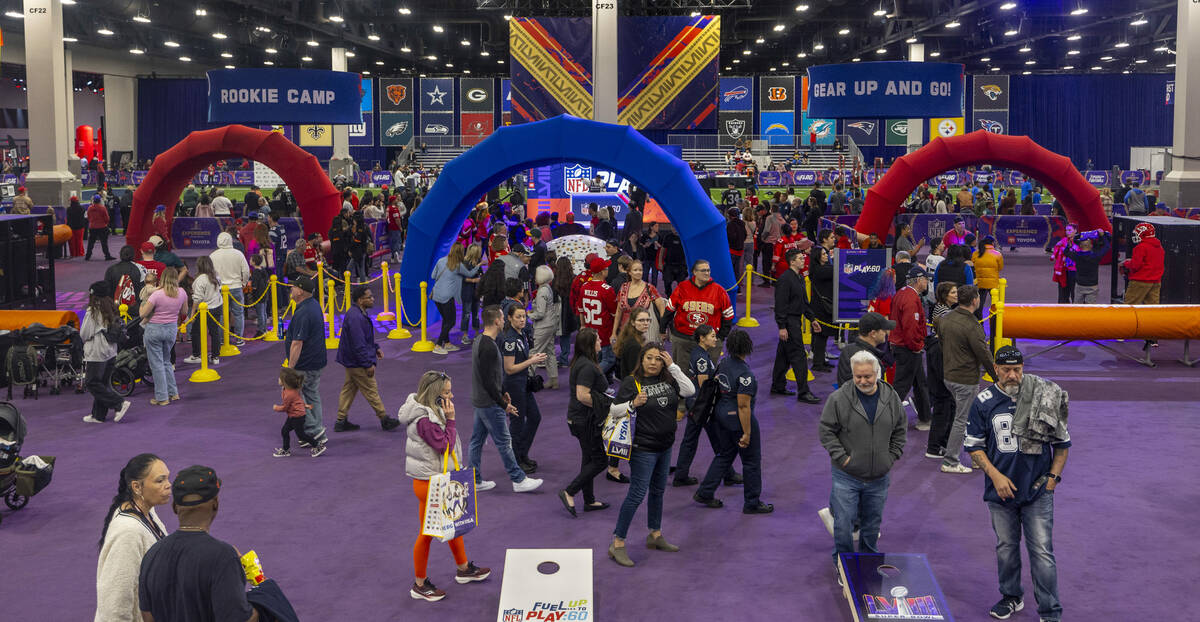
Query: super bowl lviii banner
(437,106)
(667,72)
(777,109)
(284,96)
(887,88)
(857,276)
(395,111)
(477,102)
(551,67)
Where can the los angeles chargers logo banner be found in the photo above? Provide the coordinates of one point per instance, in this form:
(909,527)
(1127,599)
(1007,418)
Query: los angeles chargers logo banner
(308,96)
(667,72)
(886,89)
(550,67)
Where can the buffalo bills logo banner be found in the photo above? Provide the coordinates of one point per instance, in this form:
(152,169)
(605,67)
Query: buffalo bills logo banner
(887,88)
(307,96)
(667,72)
(777,93)
(551,67)
(396,95)
(736,94)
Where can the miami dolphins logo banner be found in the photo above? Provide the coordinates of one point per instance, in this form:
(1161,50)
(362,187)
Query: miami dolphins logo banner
(667,72)
(551,67)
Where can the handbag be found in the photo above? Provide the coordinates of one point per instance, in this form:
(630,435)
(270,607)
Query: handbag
(450,509)
(618,432)
(534,383)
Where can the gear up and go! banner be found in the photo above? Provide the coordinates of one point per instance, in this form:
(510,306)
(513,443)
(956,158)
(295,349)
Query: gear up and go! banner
(308,96)
(886,89)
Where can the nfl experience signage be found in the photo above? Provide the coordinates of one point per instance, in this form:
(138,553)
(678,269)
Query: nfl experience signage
(284,96)
(887,88)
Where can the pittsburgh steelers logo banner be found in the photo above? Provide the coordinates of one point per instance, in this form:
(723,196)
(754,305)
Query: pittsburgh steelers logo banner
(476,95)
(667,73)
(945,127)
(551,67)
(396,95)
(888,88)
(777,93)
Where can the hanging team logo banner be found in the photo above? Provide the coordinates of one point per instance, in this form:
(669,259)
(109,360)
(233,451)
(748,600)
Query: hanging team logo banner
(395,128)
(891,88)
(736,94)
(437,124)
(396,95)
(316,135)
(994,121)
(284,96)
(437,95)
(368,95)
(476,94)
(777,93)
(475,127)
(865,132)
(551,67)
(946,127)
(817,131)
(667,72)
(777,127)
(859,274)
(990,93)
(896,132)
(363,134)
(733,126)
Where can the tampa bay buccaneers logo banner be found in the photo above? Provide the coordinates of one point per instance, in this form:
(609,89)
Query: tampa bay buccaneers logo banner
(668,72)
(551,67)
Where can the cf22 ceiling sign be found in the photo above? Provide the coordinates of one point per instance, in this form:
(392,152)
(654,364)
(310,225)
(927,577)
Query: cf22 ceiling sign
(284,96)
(886,89)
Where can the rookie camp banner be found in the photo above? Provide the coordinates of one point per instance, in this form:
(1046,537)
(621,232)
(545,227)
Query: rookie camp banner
(886,89)
(307,96)
(667,72)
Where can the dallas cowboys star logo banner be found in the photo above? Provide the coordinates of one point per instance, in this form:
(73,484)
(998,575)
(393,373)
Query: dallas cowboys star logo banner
(309,96)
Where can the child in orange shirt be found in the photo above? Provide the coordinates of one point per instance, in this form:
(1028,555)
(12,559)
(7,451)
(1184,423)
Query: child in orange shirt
(293,404)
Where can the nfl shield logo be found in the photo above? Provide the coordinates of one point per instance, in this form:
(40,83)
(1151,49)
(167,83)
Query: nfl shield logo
(576,178)
(512,615)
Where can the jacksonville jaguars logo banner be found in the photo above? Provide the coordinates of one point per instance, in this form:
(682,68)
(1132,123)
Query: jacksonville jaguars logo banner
(886,89)
(308,96)
(990,93)
(667,72)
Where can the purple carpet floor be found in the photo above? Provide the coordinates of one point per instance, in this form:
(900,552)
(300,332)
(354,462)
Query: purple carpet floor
(337,531)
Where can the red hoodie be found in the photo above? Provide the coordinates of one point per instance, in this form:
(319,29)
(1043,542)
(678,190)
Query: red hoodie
(1146,265)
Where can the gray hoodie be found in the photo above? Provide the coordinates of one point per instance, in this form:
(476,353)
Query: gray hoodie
(420,460)
(230,263)
(845,431)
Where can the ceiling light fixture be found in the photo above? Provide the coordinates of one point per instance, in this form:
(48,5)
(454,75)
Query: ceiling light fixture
(1140,21)
(1170,64)
(1079,10)
(694,14)
(779,27)
(801,7)
(226,55)
(1068,67)
(1126,71)
(70,40)
(200,12)
(1162,48)
(307,59)
(1075,37)
(171,44)
(312,43)
(406,49)
(373,37)
(1031,62)
(141,18)
(230,67)
(485,53)
(1008,6)
(785,63)
(268,62)
(262,29)
(995,69)
(275,51)
(845,30)
(337,19)
(881,51)
(68,2)
(105,31)
(137,51)
(737,60)
(506,18)
(1141,61)
(465,43)
(405,10)
(466,71)
(1122,44)
(1106,58)
(818,46)
(911,40)
(953,24)
(366,73)
(1025,49)
(219,35)
(349,54)
(431,57)
(774,69)
(745,52)
(760,40)
(986,59)
(379,62)
(802,55)
(1012,32)
(935,53)
(1072,52)
(449,64)
(438,28)
(185,59)
(1096,68)
(855,59)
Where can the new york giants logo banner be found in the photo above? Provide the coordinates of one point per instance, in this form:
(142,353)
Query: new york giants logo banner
(667,72)
(551,67)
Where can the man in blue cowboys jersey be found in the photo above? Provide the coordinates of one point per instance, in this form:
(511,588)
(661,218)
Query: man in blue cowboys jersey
(1022,473)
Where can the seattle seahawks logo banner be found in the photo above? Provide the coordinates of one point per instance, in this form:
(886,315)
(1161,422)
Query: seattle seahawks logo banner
(307,96)
(886,89)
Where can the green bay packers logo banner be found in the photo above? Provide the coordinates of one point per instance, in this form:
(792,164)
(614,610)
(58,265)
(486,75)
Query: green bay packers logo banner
(886,89)
(308,96)
(551,67)
(476,101)
(667,72)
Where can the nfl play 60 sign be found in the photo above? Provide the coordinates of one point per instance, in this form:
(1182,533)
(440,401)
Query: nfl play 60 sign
(547,585)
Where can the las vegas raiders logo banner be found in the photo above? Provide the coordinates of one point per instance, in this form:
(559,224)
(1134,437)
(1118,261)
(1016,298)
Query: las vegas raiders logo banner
(733,126)
(309,96)
(396,124)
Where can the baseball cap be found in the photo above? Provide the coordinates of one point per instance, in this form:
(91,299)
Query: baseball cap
(958,219)
(96,198)
(873,321)
(157,241)
(612,242)
(1009,355)
(521,249)
(100,288)
(305,283)
(252,215)
(916,272)
(595,263)
(21,189)
(147,247)
(195,480)
(160,208)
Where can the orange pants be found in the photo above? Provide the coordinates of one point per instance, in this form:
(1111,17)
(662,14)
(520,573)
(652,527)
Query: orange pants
(421,546)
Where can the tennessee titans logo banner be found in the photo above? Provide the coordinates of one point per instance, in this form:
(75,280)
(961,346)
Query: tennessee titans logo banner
(736,94)
(887,88)
(667,72)
(551,67)
(307,96)
(994,121)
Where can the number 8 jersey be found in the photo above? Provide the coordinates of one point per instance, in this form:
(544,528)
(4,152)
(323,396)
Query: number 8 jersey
(989,428)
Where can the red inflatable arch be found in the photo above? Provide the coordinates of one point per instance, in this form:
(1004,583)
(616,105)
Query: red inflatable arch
(316,197)
(1080,199)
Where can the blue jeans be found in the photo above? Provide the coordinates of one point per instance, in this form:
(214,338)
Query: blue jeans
(237,314)
(263,311)
(1036,518)
(159,340)
(607,359)
(395,243)
(492,421)
(314,419)
(564,346)
(647,471)
(853,501)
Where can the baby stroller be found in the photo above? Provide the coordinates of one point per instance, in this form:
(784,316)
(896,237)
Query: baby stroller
(19,479)
(41,356)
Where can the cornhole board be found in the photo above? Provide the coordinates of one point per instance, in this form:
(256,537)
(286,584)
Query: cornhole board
(891,586)
(548,594)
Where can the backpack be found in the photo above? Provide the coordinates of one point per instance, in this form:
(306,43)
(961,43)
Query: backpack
(22,365)
(706,402)
(125,294)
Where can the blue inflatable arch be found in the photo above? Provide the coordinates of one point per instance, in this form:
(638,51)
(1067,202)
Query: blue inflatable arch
(435,225)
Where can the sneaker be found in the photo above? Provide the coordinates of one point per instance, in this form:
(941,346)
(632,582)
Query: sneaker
(427,592)
(122,410)
(318,450)
(826,519)
(687,480)
(466,341)
(192,360)
(528,484)
(472,573)
(344,425)
(281,452)
(922,426)
(305,444)
(439,350)
(956,468)
(451,347)
(238,342)
(91,419)
(938,455)
(483,485)
(216,361)
(837,572)
(389,423)
(1006,607)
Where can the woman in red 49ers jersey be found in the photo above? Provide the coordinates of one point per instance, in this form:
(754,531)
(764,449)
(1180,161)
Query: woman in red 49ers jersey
(596,304)
(698,300)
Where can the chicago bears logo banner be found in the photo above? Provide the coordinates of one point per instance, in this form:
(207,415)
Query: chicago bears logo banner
(550,67)
(396,124)
(396,95)
(667,72)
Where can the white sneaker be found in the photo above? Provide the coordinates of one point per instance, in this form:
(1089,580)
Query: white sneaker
(484,485)
(451,347)
(956,468)
(215,361)
(528,484)
(439,350)
(91,419)
(826,519)
(121,411)
(921,426)
(192,360)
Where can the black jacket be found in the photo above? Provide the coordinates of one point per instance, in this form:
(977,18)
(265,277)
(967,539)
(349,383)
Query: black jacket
(76,216)
(882,352)
(791,301)
(822,286)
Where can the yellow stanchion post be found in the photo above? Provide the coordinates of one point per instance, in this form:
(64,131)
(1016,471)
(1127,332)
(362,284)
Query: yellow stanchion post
(386,315)
(321,283)
(205,373)
(399,332)
(747,320)
(1001,340)
(331,342)
(346,287)
(227,349)
(806,337)
(424,345)
(273,335)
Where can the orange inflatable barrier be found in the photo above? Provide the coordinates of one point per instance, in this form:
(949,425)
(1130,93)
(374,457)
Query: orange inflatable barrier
(1072,322)
(16,320)
(62,233)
